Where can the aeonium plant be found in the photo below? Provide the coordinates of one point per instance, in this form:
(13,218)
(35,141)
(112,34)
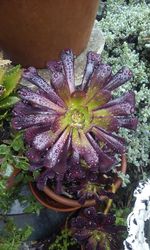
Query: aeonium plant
(95,230)
(71,131)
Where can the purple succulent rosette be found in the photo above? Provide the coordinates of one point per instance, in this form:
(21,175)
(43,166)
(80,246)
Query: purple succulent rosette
(61,119)
(85,185)
(96,231)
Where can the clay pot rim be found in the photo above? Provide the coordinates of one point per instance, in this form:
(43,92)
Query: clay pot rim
(72,204)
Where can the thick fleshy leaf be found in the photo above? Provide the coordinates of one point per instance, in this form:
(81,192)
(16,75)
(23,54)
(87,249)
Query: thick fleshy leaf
(96,99)
(61,87)
(122,76)
(43,178)
(129,123)
(23,109)
(54,154)
(46,138)
(108,138)
(34,156)
(67,58)
(110,123)
(10,80)
(55,66)
(8,102)
(128,97)
(122,109)
(58,80)
(93,60)
(105,161)
(36,99)
(43,140)
(101,75)
(31,120)
(31,132)
(81,145)
(31,75)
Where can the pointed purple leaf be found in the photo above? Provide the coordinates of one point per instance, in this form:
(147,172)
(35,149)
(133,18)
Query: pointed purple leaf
(110,123)
(34,155)
(31,132)
(105,162)
(23,109)
(101,75)
(54,154)
(37,99)
(23,122)
(43,140)
(129,123)
(112,141)
(122,76)
(93,60)
(128,97)
(81,144)
(31,75)
(67,58)
(43,178)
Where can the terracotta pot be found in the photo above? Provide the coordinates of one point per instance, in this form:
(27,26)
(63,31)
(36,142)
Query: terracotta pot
(33,32)
(51,200)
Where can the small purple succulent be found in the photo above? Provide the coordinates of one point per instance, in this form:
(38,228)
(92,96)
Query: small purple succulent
(61,120)
(96,231)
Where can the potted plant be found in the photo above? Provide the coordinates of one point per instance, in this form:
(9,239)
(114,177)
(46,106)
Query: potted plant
(71,131)
(37,31)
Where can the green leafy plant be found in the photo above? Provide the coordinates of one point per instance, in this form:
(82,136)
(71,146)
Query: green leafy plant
(63,241)
(124,27)
(12,155)
(8,83)
(11,237)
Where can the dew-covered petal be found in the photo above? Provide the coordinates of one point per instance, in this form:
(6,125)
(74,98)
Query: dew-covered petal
(31,75)
(31,132)
(128,97)
(101,75)
(34,156)
(55,66)
(54,154)
(105,161)
(114,142)
(96,98)
(110,123)
(43,178)
(36,99)
(23,109)
(129,123)
(58,81)
(122,76)
(67,58)
(23,122)
(93,60)
(81,145)
(43,140)
(122,109)
(61,166)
